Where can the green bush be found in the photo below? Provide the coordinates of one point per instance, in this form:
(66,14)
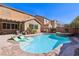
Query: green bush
(34,31)
(31,31)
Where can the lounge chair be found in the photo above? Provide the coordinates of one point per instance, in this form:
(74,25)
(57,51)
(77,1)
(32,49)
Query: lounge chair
(22,38)
(58,32)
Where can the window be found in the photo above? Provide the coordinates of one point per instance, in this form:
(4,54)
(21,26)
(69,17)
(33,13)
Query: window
(8,26)
(4,25)
(12,26)
(36,26)
(33,26)
(16,26)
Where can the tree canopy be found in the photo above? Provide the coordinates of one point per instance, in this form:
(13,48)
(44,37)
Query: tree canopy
(75,23)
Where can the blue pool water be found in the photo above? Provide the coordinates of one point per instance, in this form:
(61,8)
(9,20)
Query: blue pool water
(43,43)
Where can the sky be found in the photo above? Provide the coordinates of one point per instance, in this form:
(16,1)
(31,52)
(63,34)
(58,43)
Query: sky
(65,13)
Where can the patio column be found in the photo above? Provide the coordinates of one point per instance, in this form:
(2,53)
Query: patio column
(20,27)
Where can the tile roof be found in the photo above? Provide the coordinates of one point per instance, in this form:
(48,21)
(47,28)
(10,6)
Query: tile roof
(13,14)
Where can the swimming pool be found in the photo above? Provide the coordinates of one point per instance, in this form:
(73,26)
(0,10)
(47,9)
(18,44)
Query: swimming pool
(43,43)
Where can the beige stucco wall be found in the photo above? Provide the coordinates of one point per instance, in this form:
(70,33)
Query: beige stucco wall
(26,24)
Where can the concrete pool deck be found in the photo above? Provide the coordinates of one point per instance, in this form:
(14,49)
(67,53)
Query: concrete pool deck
(69,49)
(10,49)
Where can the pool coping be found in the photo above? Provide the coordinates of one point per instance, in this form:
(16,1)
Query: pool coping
(31,35)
